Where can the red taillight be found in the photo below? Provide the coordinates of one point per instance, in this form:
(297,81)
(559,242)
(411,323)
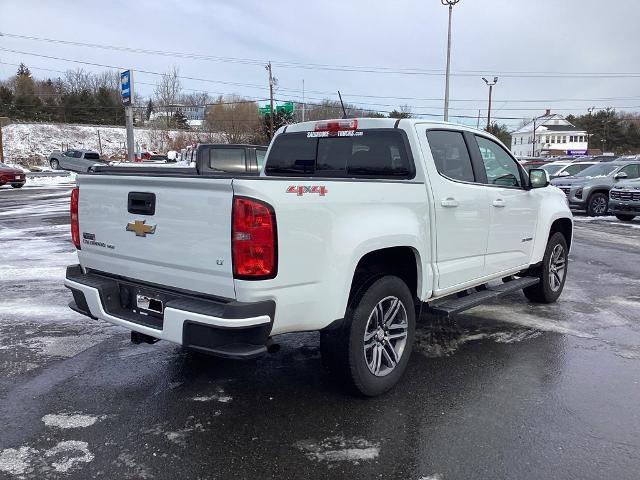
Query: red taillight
(253,239)
(75,228)
(336,125)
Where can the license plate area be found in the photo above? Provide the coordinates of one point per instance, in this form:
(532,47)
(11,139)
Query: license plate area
(149,305)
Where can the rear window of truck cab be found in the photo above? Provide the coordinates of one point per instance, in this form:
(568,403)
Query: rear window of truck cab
(92,156)
(372,153)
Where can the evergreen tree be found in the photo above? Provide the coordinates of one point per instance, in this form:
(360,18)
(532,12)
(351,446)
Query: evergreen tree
(149,110)
(23,71)
(180,121)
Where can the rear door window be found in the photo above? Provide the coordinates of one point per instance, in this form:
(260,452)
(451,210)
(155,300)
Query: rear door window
(374,153)
(92,156)
(450,155)
(232,160)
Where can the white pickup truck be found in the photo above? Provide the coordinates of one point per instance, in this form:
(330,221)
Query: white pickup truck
(354,228)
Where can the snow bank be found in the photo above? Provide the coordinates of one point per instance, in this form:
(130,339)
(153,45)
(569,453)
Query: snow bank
(24,141)
(62,180)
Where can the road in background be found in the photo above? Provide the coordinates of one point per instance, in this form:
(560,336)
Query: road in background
(509,390)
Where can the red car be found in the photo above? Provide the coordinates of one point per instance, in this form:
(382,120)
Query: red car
(15,177)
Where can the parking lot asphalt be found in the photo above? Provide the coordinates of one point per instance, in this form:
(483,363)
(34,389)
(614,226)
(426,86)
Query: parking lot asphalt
(508,390)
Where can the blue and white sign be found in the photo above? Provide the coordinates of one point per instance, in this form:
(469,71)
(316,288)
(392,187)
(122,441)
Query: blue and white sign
(126,87)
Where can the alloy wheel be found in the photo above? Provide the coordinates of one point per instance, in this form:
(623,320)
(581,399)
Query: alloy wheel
(385,336)
(557,267)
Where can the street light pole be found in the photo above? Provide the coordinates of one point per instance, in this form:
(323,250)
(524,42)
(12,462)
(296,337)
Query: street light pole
(490,84)
(449,3)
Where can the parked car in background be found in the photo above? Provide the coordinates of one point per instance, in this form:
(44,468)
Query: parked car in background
(533,162)
(12,176)
(565,169)
(76,160)
(589,189)
(624,200)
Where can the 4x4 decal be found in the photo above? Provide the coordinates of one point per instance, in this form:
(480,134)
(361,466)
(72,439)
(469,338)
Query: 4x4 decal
(300,190)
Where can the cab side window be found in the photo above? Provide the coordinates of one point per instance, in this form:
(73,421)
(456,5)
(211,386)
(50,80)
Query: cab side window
(631,171)
(501,169)
(450,155)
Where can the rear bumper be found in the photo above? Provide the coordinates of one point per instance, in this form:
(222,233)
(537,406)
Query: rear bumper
(223,328)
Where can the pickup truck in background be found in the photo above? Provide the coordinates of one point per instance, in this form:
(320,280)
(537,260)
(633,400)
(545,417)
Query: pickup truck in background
(76,160)
(354,228)
(226,158)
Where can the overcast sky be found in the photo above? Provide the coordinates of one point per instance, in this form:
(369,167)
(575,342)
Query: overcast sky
(490,37)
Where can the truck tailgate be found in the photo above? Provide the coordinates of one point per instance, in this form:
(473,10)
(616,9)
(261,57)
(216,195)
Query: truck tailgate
(184,241)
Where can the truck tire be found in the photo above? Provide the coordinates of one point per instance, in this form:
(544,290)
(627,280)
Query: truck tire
(597,205)
(17,185)
(624,217)
(552,272)
(372,348)
(55,164)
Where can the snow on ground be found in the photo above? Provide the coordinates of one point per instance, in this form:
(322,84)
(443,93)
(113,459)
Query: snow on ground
(340,449)
(62,180)
(32,140)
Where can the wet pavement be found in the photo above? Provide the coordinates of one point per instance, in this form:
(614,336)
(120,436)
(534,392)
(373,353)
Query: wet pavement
(507,390)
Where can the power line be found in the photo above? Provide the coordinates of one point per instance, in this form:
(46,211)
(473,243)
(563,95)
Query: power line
(435,99)
(334,67)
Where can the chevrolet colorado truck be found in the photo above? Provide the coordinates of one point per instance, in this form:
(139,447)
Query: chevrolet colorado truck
(354,228)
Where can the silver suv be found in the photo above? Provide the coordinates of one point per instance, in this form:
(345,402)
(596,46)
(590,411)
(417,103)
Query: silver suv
(589,189)
(624,200)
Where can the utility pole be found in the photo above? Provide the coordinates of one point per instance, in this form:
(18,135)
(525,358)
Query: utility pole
(590,110)
(3,121)
(450,4)
(268,68)
(303,102)
(490,84)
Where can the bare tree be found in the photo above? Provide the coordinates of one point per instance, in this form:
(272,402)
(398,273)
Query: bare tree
(235,117)
(79,80)
(167,92)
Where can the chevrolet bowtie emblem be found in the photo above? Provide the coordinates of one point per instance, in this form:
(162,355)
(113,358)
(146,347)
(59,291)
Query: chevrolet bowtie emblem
(140,227)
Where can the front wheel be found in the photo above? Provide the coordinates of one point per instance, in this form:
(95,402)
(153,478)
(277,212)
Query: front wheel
(625,218)
(372,349)
(598,205)
(55,164)
(552,272)
(17,185)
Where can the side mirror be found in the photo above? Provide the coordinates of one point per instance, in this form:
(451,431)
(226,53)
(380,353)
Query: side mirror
(563,174)
(538,178)
(620,175)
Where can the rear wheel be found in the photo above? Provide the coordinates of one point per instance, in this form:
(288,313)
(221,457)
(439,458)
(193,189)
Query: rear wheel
(552,272)
(17,185)
(371,351)
(598,204)
(625,218)
(55,164)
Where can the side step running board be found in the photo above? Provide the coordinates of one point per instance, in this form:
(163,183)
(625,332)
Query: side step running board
(448,307)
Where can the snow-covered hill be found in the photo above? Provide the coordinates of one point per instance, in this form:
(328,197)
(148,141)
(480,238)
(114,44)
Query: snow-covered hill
(30,142)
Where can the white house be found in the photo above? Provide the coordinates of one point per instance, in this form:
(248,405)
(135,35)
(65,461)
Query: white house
(554,135)
(193,113)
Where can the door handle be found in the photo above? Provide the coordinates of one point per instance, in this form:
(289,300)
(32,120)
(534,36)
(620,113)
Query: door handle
(499,202)
(449,202)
